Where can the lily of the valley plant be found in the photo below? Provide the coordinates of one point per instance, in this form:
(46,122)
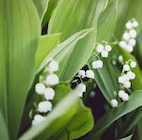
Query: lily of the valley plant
(70,70)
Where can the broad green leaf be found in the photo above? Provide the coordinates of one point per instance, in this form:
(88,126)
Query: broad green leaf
(61,50)
(135,86)
(19,36)
(41,6)
(47,44)
(116,113)
(3,131)
(64,114)
(107,21)
(76,18)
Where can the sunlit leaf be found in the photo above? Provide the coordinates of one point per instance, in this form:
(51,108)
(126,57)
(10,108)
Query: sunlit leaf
(65,113)
(68,25)
(47,44)
(19,36)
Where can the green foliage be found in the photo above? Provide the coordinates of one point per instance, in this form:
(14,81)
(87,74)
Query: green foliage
(18,42)
(4,131)
(74,29)
(65,113)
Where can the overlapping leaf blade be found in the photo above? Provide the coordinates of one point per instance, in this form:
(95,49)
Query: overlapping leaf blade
(115,113)
(61,119)
(60,51)
(41,6)
(47,44)
(70,17)
(19,35)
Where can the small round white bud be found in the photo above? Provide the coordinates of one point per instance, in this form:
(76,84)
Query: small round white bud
(52,79)
(40,88)
(44,106)
(49,94)
(100,48)
(53,66)
(104,53)
(129,25)
(132,33)
(114,103)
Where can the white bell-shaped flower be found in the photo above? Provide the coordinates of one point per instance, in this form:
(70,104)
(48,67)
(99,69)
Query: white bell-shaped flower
(82,87)
(53,66)
(90,74)
(100,48)
(132,42)
(126,36)
(38,119)
(131,75)
(44,106)
(126,67)
(52,79)
(135,24)
(108,48)
(97,64)
(104,53)
(133,33)
(133,64)
(129,25)
(125,97)
(114,103)
(49,94)
(121,93)
(40,88)
(81,73)
(123,44)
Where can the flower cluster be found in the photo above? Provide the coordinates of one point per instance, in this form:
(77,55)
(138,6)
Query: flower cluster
(125,82)
(103,51)
(44,89)
(129,36)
